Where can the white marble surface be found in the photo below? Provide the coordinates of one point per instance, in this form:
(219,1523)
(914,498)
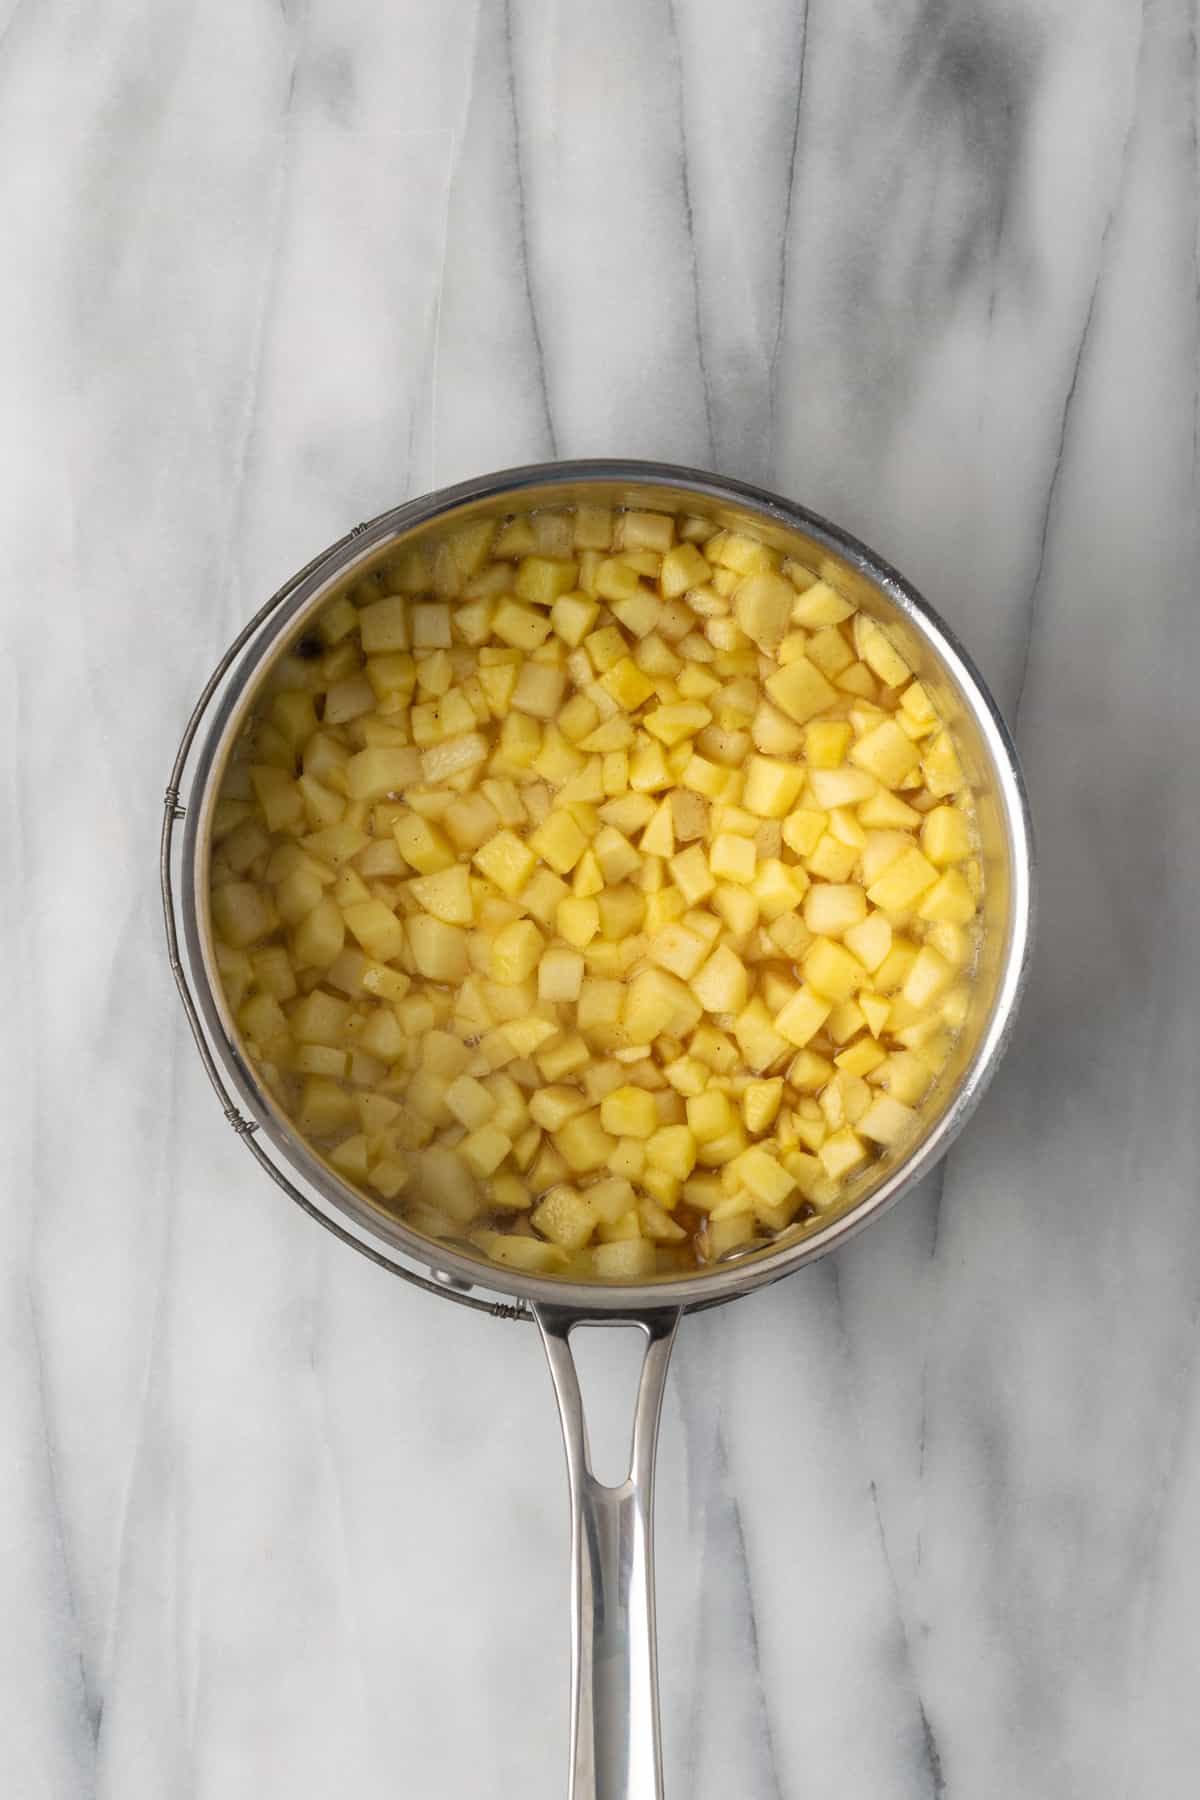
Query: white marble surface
(269,1525)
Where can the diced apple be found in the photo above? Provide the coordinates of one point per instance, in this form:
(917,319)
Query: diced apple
(831,969)
(763,607)
(902,882)
(887,1121)
(629,1112)
(946,836)
(447,895)
(949,901)
(834,908)
(803,1016)
(376,928)
(800,690)
(438,950)
(887,754)
(516,951)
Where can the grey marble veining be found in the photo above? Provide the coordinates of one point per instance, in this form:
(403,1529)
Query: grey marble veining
(927,1512)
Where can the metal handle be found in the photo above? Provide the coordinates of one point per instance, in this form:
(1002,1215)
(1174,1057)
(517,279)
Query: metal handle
(616,1753)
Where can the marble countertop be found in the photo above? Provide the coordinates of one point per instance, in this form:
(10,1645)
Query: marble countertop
(927,1516)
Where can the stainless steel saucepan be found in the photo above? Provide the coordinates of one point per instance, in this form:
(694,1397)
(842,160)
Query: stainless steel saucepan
(615,1747)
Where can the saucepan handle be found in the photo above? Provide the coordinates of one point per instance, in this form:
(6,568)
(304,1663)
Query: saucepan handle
(616,1753)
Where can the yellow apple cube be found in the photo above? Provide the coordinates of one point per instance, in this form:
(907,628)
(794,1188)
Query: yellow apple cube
(516,951)
(447,895)
(519,625)
(559,842)
(671,1151)
(577,920)
(583,1143)
(949,901)
(869,940)
(318,939)
(629,1112)
(928,978)
(625,683)
(833,908)
(760,1043)
(710,1115)
(887,754)
(722,985)
(762,605)
(831,969)
(560,974)
(678,949)
(671,724)
(800,690)
(633,1259)
(772,787)
(439,951)
(902,882)
(875,1010)
(683,567)
(878,652)
(732,858)
(802,1016)
(887,1121)
(242,913)
(885,810)
(376,928)
(946,836)
(940,766)
(422,844)
(759,1173)
(484,1150)
(506,861)
(470,1102)
(658,838)
(842,1153)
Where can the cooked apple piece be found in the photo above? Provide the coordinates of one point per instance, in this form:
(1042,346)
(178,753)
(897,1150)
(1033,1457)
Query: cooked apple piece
(447,895)
(438,950)
(887,754)
(902,882)
(470,1102)
(877,651)
(629,1112)
(319,937)
(722,984)
(676,948)
(949,901)
(683,567)
(940,766)
(763,607)
(531,1255)
(732,858)
(833,908)
(559,842)
(946,836)
(887,1120)
(633,1259)
(802,1016)
(772,787)
(829,788)
(242,913)
(800,690)
(831,969)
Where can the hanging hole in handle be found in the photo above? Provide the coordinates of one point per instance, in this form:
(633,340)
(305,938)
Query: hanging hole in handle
(608,1364)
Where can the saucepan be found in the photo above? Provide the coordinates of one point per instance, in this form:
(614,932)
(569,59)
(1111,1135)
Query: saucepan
(615,1746)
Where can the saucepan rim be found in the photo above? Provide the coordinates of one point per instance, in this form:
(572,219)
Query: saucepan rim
(457,1272)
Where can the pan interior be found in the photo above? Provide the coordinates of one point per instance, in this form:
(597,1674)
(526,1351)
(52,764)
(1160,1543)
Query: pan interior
(985,752)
